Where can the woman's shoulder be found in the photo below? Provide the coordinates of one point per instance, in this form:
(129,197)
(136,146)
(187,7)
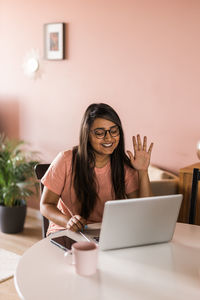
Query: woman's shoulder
(63,157)
(62,162)
(67,154)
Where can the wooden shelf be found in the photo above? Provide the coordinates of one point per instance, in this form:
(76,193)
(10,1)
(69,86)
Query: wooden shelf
(185,187)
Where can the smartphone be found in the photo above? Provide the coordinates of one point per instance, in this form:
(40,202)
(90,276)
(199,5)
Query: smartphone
(64,242)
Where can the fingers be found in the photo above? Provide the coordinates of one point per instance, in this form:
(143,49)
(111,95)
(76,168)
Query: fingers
(80,220)
(72,227)
(137,144)
(76,223)
(145,143)
(150,148)
(134,144)
(130,154)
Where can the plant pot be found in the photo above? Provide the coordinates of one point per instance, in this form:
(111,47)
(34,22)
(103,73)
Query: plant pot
(12,218)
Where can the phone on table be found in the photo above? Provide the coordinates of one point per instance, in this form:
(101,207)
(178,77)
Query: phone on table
(64,242)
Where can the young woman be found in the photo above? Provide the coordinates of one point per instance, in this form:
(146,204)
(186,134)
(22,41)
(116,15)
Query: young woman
(80,181)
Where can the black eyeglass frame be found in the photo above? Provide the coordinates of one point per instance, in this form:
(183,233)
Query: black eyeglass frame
(105,132)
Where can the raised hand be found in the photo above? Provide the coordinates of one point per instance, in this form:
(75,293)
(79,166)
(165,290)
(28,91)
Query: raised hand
(141,158)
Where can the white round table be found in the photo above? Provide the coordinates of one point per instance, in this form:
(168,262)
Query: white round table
(163,271)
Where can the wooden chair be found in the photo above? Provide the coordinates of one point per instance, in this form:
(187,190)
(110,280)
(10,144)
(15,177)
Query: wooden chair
(40,170)
(193,199)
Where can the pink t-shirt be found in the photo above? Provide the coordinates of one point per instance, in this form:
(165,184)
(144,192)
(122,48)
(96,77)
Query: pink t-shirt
(58,180)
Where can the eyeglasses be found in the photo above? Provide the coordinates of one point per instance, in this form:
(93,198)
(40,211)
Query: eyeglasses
(100,133)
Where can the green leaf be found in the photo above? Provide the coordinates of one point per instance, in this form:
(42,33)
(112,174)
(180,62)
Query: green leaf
(17,177)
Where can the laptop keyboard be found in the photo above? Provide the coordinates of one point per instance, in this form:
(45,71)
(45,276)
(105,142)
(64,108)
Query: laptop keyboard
(96,238)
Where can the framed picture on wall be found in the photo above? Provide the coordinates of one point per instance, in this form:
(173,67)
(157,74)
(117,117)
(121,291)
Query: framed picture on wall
(54,41)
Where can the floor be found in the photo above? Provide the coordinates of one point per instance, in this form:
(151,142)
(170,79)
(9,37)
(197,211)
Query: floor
(18,243)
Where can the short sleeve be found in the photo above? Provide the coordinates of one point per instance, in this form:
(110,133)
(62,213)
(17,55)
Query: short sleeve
(54,178)
(131,180)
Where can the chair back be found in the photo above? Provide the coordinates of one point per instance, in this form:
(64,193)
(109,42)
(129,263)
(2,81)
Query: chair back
(193,200)
(40,170)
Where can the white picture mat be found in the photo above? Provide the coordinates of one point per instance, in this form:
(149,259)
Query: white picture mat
(49,29)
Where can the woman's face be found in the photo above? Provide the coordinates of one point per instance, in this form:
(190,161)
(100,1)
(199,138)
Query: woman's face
(104,142)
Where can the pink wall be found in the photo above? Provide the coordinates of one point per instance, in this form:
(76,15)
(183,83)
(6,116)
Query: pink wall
(142,57)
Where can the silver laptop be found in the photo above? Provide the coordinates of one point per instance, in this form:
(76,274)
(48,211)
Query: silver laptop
(136,222)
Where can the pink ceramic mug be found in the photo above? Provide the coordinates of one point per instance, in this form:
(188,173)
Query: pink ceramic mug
(85,256)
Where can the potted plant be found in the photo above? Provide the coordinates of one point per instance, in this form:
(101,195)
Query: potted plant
(17,183)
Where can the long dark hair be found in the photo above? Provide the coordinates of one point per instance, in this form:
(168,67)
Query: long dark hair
(83,162)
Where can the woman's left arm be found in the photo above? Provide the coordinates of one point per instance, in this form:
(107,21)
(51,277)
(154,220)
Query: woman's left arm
(140,161)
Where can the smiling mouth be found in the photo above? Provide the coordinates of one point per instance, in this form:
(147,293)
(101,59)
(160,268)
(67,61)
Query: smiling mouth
(107,145)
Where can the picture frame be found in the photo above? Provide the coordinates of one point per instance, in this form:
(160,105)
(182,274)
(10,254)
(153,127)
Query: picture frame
(54,41)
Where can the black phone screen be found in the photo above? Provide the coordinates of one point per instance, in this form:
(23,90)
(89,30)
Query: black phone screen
(64,242)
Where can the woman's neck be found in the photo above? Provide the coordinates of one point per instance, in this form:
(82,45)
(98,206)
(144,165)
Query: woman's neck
(101,160)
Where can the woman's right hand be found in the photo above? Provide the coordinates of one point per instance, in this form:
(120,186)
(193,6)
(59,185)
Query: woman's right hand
(76,223)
